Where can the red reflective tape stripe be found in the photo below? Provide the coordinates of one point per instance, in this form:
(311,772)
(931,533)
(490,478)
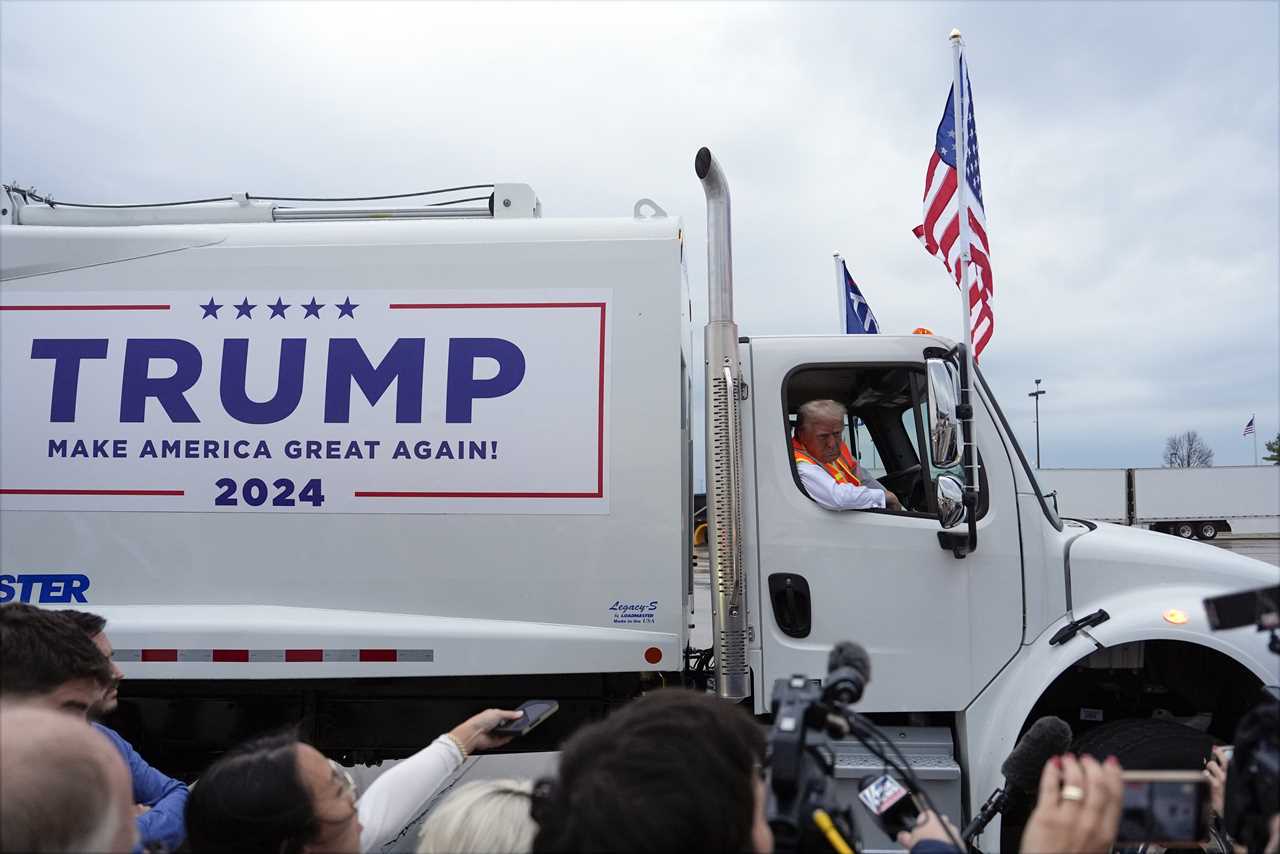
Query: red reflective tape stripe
(246,656)
(85,307)
(377,655)
(381,494)
(241,655)
(159,655)
(304,655)
(496,305)
(8,491)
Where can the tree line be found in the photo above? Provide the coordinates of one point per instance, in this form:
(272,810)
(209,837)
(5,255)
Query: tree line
(1188,450)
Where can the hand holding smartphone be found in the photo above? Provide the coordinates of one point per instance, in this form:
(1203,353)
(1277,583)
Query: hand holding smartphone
(532,712)
(1166,807)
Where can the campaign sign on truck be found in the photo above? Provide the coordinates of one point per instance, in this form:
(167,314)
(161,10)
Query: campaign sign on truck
(305,401)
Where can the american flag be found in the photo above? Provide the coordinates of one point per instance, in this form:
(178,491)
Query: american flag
(857,312)
(940,232)
(1248,428)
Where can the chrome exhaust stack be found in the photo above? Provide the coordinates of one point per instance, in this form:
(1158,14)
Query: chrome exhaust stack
(725,391)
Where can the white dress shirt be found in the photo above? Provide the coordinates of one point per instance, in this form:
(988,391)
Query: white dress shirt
(823,489)
(401,793)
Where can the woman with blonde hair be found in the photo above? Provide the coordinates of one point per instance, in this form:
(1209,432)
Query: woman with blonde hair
(484,817)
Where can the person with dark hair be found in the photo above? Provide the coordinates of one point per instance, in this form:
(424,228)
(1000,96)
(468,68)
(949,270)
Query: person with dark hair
(675,770)
(46,660)
(276,795)
(272,795)
(160,799)
(95,629)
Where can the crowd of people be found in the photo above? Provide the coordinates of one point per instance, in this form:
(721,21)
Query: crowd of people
(673,770)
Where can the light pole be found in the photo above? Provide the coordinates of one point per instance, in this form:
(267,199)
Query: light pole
(1036,394)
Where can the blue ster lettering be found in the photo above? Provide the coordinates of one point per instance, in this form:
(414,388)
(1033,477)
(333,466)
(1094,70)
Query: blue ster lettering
(347,366)
(52,588)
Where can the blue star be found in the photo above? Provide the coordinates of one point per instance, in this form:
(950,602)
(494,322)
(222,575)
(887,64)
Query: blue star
(312,309)
(277,308)
(244,309)
(347,308)
(210,310)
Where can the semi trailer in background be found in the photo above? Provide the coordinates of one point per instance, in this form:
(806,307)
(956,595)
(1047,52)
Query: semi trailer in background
(1188,502)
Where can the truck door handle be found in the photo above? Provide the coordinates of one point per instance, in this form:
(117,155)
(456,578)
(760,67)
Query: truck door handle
(792,608)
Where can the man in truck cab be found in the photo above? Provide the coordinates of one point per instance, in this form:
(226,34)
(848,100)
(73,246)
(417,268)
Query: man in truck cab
(829,473)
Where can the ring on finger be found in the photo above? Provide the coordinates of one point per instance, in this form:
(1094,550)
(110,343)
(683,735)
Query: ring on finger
(1072,793)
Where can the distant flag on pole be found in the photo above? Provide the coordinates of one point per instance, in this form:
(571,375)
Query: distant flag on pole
(940,231)
(1248,428)
(858,318)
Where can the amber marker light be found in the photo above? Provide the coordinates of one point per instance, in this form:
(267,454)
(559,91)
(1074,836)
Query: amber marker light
(1175,616)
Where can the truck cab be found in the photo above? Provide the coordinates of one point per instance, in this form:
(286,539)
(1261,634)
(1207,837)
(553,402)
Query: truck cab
(871,573)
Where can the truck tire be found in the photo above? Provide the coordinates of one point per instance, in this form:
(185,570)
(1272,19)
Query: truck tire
(1185,530)
(1207,530)
(1149,744)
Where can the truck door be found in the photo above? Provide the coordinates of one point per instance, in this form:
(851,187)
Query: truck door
(938,628)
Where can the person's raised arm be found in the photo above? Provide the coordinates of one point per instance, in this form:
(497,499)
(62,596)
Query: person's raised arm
(398,795)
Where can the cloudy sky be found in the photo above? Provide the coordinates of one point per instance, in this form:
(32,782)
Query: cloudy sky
(1130,157)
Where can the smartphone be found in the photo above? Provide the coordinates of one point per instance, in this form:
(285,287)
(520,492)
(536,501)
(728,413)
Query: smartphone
(532,713)
(892,806)
(1165,807)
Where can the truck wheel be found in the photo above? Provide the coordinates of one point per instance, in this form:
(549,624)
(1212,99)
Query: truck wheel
(1185,530)
(1147,743)
(1207,531)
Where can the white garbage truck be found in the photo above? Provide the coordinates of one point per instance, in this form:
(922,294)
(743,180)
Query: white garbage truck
(372,468)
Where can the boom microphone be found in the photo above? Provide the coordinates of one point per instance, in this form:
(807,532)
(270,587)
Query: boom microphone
(1046,738)
(848,672)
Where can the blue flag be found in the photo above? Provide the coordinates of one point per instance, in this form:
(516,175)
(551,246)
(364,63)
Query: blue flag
(858,318)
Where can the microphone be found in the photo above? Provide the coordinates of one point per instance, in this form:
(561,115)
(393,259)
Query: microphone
(1046,738)
(848,672)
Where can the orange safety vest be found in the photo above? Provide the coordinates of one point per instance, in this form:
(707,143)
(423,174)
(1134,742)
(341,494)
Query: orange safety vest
(841,469)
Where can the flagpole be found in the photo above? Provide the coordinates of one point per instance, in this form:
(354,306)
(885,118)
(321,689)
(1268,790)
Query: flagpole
(961,124)
(1254,422)
(842,299)
(960,104)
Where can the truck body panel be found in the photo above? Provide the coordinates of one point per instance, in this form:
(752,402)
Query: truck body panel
(483,542)
(1136,576)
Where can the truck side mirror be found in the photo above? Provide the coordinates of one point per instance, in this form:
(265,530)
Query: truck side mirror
(944,427)
(951,510)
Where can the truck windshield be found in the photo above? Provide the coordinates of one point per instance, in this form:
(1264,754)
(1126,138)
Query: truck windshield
(1045,504)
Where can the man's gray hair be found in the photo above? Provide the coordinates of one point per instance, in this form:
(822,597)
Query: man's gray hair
(819,409)
(484,817)
(55,791)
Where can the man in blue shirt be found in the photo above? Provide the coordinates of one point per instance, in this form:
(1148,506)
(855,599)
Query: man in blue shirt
(161,800)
